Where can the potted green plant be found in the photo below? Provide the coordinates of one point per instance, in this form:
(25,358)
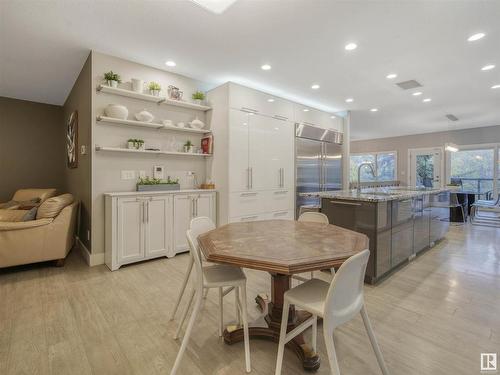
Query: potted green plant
(139,144)
(154,88)
(198,97)
(188,147)
(112,79)
(155,184)
(131,144)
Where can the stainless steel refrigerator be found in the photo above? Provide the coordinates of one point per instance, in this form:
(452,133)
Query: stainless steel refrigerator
(318,163)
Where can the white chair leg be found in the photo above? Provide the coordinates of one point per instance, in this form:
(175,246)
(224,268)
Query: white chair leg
(373,341)
(184,314)
(315,334)
(281,345)
(189,329)
(183,288)
(330,349)
(246,335)
(221,311)
(236,302)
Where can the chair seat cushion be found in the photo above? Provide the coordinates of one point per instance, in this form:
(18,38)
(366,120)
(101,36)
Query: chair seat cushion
(310,295)
(222,275)
(53,206)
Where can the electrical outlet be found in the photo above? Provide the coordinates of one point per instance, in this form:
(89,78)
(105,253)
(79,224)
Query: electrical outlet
(83,150)
(142,174)
(128,175)
(88,235)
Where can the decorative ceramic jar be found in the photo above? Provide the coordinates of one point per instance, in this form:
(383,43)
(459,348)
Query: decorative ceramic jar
(197,124)
(144,116)
(116,111)
(137,85)
(174,93)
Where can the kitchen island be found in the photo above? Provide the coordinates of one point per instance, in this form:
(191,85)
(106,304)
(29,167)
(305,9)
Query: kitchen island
(399,222)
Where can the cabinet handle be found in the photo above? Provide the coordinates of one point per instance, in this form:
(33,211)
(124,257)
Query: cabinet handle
(282,177)
(249,218)
(251,110)
(281,192)
(251,178)
(346,203)
(279,117)
(196,206)
(146,204)
(248,178)
(251,194)
(192,207)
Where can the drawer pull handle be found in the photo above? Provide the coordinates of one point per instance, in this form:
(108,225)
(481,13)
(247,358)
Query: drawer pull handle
(346,203)
(248,194)
(251,110)
(281,192)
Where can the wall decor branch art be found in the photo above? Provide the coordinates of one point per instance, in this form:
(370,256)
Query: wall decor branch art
(72,140)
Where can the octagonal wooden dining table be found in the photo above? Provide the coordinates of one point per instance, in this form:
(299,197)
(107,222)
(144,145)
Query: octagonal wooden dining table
(282,248)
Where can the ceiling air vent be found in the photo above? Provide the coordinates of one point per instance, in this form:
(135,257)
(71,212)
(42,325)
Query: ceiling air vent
(451,117)
(408,85)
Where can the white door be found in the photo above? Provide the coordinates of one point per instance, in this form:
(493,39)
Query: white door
(204,206)
(130,230)
(158,214)
(263,139)
(183,213)
(284,152)
(425,167)
(239,174)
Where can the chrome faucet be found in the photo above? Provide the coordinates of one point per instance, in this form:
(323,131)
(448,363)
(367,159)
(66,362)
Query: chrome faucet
(371,165)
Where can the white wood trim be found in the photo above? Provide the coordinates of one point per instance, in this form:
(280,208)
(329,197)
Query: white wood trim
(151,125)
(91,259)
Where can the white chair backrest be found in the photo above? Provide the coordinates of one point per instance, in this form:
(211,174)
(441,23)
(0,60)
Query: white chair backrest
(314,217)
(199,225)
(345,295)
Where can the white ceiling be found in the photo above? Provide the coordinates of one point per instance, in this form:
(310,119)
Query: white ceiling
(43,45)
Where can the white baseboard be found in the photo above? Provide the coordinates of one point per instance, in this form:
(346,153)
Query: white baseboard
(91,259)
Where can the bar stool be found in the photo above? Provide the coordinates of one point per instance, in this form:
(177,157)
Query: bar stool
(337,303)
(217,276)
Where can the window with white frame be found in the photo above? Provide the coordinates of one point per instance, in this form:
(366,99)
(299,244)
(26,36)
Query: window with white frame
(385,166)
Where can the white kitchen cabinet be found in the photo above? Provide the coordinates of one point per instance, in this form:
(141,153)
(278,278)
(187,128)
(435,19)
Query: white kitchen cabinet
(144,226)
(279,200)
(308,115)
(187,207)
(239,176)
(247,203)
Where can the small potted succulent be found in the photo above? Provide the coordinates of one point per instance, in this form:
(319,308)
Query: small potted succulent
(188,147)
(137,144)
(198,97)
(154,88)
(112,79)
(155,184)
(131,144)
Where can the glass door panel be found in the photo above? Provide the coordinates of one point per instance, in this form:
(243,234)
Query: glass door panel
(425,168)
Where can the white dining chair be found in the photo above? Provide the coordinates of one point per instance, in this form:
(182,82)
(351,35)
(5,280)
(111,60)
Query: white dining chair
(337,303)
(216,276)
(312,217)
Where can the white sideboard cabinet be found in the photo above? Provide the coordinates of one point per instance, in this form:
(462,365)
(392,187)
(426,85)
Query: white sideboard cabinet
(141,226)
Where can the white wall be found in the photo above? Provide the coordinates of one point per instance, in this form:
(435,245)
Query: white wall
(107,167)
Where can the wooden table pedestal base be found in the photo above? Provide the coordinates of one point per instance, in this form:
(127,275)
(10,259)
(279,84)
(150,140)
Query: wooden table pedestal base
(280,284)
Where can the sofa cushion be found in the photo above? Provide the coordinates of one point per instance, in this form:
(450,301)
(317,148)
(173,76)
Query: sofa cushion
(53,206)
(10,205)
(17,215)
(28,194)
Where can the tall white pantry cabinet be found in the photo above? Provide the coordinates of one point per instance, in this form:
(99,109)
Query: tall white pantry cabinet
(142,226)
(253,165)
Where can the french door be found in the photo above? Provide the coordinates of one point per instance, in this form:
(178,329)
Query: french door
(425,167)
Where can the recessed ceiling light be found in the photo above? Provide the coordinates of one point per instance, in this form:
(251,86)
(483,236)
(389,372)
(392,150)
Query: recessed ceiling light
(170,63)
(475,37)
(391,76)
(266,67)
(427,100)
(349,100)
(488,67)
(418,93)
(270,100)
(332,116)
(495,87)
(315,86)
(351,46)
(374,110)
(305,110)
(217,7)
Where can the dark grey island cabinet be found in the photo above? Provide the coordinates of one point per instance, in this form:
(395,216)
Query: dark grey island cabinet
(399,226)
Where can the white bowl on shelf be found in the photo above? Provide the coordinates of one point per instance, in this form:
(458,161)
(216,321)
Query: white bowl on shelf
(197,124)
(117,111)
(144,116)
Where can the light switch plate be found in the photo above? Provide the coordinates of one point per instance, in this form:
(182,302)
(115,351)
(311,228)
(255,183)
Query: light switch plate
(128,175)
(83,150)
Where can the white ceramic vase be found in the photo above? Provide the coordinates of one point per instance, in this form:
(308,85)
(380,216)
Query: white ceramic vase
(144,116)
(137,85)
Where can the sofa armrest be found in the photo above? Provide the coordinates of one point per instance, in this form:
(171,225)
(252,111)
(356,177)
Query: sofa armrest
(7,225)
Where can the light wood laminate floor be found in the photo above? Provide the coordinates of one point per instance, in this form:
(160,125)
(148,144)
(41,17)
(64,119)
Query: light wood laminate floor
(434,316)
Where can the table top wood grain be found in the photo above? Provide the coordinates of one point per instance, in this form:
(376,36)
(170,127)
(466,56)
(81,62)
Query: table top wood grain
(281,246)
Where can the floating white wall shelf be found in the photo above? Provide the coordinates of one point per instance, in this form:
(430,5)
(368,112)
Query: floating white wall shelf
(152,125)
(151,98)
(128,150)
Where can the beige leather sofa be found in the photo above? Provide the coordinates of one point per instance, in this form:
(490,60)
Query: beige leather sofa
(49,237)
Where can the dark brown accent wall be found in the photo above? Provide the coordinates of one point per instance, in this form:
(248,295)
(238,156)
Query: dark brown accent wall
(32,148)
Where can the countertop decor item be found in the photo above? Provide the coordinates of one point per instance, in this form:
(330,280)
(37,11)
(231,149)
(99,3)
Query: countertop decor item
(180,125)
(207,186)
(174,93)
(167,122)
(112,79)
(137,144)
(154,88)
(116,111)
(144,116)
(197,123)
(188,146)
(137,85)
(72,140)
(198,97)
(155,184)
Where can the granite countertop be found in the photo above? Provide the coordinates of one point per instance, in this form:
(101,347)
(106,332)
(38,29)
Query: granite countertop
(375,195)
(163,192)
